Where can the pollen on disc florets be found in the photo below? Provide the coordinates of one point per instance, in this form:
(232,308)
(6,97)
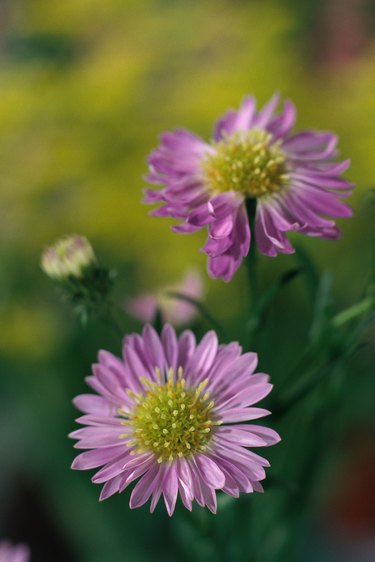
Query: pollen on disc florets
(171,420)
(248,162)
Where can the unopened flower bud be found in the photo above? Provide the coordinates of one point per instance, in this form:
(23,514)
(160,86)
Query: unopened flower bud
(82,280)
(70,257)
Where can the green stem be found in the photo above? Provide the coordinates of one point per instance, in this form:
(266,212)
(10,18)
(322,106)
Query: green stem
(366,305)
(251,265)
(306,359)
(285,404)
(110,317)
(307,385)
(158,321)
(251,258)
(304,363)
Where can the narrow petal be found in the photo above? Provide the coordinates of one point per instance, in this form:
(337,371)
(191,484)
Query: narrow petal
(154,348)
(243,414)
(170,345)
(158,489)
(186,348)
(210,472)
(170,488)
(144,488)
(95,458)
(93,404)
(203,357)
(112,469)
(264,116)
(111,487)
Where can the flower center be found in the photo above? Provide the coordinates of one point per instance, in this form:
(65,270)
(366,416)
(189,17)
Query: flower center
(171,420)
(248,162)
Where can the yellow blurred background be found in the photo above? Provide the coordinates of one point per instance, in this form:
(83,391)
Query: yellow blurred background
(87,86)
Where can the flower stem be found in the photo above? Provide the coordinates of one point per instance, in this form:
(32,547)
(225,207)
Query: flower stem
(251,258)
(251,265)
(284,405)
(307,384)
(306,360)
(359,309)
(110,317)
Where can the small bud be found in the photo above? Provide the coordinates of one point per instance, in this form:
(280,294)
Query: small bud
(69,257)
(83,282)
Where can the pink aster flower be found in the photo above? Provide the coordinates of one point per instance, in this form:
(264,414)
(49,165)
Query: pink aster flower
(293,179)
(175,311)
(10,553)
(174,415)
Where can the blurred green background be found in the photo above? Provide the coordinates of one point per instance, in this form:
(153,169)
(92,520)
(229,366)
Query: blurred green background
(86,87)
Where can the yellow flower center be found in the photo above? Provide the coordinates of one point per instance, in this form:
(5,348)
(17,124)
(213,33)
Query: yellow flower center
(170,419)
(248,162)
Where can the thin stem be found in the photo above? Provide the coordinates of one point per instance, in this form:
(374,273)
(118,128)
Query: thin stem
(251,265)
(110,317)
(298,393)
(251,258)
(306,359)
(362,307)
(284,405)
(158,321)
(304,362)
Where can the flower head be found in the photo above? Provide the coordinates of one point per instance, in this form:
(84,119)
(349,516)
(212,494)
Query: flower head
(292,179)
(175,311)
(68,257)
(10,553)
(169,413)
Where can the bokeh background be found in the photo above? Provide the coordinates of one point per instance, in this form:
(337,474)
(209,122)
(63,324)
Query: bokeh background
(86,86)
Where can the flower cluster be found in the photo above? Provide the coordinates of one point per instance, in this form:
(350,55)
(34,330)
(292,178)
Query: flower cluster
(293,180)
(175,415)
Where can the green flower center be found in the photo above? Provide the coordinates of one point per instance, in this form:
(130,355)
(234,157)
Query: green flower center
(171,420)
(248,162)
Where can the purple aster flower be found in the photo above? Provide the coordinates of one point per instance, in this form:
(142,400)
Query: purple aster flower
(175,415)
(175,311)
(10,553)
(293,179)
